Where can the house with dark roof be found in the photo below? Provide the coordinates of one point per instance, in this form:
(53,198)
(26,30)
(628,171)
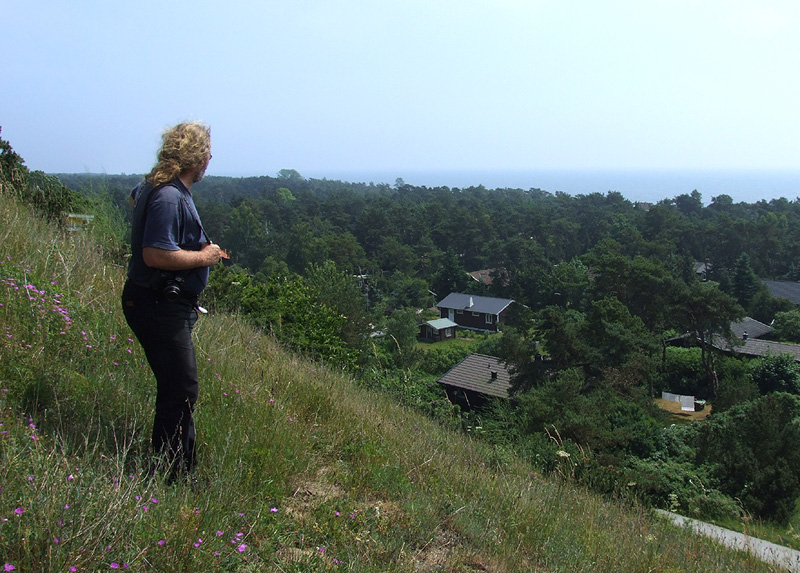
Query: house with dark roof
(747,328)
(747,341)
(747,334)
(488,276)
(472,380)
(703,269)
(475,312)
(754,347)
(438,330)
(750,328)
(789,290)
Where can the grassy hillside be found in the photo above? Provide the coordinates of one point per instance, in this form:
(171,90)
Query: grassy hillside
(300,469)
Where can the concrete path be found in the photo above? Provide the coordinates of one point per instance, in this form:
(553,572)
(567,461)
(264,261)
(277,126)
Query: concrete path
(771,553)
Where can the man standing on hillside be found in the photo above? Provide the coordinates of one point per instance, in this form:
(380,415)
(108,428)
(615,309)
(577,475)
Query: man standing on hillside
(170,259)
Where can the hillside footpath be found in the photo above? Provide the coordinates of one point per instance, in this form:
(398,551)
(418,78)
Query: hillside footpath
(764,550)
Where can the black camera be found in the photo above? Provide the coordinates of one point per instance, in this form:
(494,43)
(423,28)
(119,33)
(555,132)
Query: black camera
(171,286)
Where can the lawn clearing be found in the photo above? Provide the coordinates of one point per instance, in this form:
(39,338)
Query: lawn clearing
(678,415)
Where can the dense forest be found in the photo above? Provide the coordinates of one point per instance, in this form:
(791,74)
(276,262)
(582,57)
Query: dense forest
(600,285)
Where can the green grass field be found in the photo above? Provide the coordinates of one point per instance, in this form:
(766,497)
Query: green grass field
(300,468)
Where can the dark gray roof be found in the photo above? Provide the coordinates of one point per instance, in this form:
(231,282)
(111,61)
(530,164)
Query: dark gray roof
(475,373)
(474,303)
(751,326)
(784,289)
(765,348)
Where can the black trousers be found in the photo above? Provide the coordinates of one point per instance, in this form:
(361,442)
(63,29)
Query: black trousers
(164,329)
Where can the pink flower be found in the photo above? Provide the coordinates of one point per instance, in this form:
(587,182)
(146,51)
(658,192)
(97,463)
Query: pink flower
(115,565)
(19,511)
(241,548)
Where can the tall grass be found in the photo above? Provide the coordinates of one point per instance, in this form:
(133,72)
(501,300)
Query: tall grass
(300,469)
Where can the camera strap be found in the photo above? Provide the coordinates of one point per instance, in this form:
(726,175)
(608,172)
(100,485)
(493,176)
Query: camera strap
(193,211)
(195,216)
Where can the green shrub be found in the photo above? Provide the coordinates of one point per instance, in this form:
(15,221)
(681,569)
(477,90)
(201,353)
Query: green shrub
(680,487)
(438,358)
(776,374)
(753,451)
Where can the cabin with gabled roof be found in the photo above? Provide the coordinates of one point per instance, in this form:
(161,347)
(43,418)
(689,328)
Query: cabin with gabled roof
(438,330)
(484,313)
(475,378)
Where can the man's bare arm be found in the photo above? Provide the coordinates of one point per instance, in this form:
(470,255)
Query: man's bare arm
(181,259)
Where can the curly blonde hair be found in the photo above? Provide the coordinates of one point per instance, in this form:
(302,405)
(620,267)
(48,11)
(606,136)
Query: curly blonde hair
(185,146)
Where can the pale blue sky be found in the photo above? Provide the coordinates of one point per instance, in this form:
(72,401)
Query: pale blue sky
(345,85)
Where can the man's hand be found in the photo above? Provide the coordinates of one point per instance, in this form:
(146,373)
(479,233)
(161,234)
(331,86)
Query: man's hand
(212,254)
(208,256)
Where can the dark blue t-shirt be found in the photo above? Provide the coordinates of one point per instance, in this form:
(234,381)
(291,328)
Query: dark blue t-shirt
(165,218)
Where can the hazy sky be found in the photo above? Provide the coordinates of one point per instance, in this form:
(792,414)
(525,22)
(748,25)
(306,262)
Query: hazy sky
(342,85)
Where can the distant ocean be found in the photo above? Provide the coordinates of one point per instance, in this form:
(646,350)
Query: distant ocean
(747,186)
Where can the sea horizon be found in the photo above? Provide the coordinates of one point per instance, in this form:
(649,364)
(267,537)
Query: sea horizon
(636,185)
